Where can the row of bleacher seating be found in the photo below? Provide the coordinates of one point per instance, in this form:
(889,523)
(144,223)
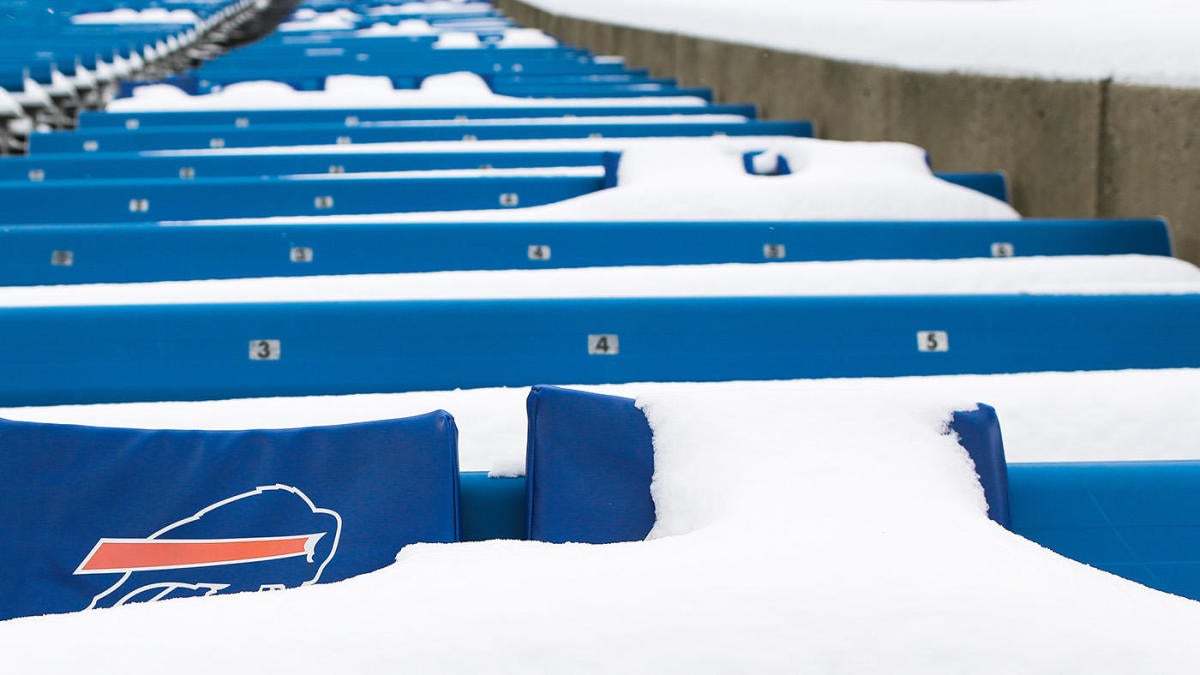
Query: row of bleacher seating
(198,350)
(52,67)
(156,199)
(588,474)
(88,202)
(192,138)
(346,518)
(88,253)
(590,465)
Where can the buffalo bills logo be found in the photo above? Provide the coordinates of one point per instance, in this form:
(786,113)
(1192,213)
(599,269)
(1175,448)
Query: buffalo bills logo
(267,539)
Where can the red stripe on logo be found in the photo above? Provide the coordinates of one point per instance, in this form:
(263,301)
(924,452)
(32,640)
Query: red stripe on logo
(131,555)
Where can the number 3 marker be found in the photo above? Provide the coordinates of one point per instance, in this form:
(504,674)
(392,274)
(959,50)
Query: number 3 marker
(264,350)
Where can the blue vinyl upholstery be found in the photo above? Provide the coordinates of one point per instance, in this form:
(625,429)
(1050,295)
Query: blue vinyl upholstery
(96,517)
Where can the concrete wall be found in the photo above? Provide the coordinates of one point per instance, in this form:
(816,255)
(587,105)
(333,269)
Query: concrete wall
(1081,149)
(1151,159)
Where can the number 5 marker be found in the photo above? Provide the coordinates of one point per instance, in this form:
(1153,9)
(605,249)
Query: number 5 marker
(933,341)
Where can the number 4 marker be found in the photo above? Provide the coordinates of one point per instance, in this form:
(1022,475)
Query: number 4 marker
(605,345)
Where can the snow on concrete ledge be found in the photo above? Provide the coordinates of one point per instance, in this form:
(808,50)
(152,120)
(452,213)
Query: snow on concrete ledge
(1138,41)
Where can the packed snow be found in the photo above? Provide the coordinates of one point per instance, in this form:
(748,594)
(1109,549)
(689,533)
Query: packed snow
(566,120)
(125,15)
(457,40)
(307,19)
(789,537)
(525,38)
(1101,416)
(1060,275)
(443,7)
(404,27)
(1139,41)
(704,179)
(9,106)
(465,90)
(509,37)
(486,25)
(560,171)
(309,14)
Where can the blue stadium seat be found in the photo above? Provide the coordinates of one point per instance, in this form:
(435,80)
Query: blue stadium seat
(203,138)
(160,199)
(1138,520)
(590,461)
(100,517)
(190,351)
(147,252)
(359,116)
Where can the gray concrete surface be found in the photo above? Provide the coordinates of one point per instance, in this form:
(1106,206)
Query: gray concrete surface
(1071,149)
(1152,159)
(1043,133)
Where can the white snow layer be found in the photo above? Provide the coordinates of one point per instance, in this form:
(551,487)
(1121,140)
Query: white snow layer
(131,16)
(704,179)
(435,7)
(354,91)
(308,14)
(10,107)
(1102,416)
(577,171)
(457,40)
(1060,275)
(1140,41)
(526,37)
(307,19)
(404,27)
(460,34)
(790,537)
(567,120)
(510,37)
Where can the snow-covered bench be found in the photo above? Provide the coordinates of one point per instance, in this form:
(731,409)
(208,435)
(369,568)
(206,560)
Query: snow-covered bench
(355,116)
(591,460)
(278,337)
(130,200)
(115,165)
(184,138)
(72,254)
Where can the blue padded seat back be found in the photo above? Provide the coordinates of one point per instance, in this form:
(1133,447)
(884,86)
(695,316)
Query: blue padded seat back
(589,463)
(781,168)
(98,517)
(979,432)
